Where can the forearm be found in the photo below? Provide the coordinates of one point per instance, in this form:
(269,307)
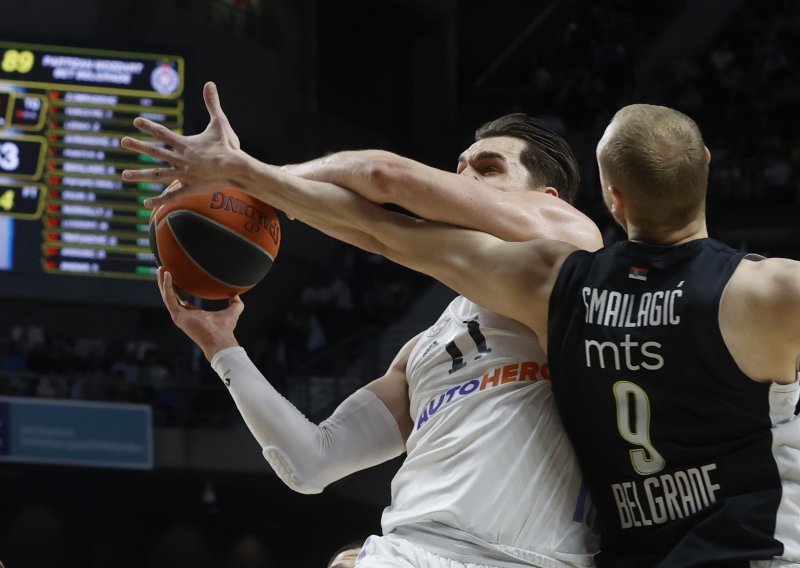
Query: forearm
(498,275)
(434,248)
(362,172)
(324,206)
(383,177)
(463,259)
(212,340)
(306,456)
(436,195)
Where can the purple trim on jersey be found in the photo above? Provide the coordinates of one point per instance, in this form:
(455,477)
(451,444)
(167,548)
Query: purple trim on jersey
(363,552)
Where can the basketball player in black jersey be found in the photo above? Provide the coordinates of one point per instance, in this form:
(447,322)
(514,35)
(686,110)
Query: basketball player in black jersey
(673,356)
(680,398)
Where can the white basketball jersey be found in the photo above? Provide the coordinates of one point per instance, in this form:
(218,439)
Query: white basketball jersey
(488,454)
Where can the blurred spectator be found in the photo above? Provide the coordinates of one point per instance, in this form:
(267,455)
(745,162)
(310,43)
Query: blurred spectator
(89,348)
(329,300)
(127,369)
(11,358)
(152,371)
(28,336)
(51,387)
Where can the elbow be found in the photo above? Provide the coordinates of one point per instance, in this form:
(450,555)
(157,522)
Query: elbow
(387,176)
(517,232)
(519,226)
(287,473)
(304,489)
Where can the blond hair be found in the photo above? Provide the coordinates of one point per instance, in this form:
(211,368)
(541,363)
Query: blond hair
(657,159)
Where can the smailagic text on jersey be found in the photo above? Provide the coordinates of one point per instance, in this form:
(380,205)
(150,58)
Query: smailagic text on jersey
(616,309)
(609,308)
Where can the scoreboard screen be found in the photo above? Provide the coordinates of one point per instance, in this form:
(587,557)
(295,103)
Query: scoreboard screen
(64,209)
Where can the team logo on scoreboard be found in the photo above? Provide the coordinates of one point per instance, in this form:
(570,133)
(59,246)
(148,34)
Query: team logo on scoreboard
(164,79)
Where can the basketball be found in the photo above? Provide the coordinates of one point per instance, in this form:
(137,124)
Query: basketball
(215,245)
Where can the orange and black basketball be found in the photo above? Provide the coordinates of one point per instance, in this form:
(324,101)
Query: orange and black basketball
(215,245)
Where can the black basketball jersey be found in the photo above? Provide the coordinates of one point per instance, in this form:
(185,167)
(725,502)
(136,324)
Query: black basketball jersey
(675,441)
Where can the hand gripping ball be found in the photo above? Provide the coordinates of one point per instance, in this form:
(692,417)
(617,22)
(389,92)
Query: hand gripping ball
(215,245)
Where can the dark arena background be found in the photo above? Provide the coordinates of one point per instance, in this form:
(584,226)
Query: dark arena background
(171,477)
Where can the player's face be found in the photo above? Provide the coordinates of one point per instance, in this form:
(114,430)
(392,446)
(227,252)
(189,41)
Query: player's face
(496,161)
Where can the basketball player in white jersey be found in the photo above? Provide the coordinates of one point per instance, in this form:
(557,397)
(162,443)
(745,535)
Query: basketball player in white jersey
(676,356)
(489,478)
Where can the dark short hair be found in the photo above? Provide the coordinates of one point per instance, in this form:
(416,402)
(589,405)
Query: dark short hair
(548,158)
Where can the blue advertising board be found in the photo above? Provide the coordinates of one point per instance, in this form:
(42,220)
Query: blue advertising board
(76,433)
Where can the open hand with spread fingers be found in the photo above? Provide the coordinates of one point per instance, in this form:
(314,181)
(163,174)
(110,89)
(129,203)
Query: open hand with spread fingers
(202,163)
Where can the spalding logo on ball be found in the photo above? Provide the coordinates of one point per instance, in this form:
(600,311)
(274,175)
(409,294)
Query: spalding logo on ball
(215,245)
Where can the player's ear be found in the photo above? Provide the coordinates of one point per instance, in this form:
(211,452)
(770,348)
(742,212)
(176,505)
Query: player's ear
(708,154)
(551,191)
(617,198)
(615,201)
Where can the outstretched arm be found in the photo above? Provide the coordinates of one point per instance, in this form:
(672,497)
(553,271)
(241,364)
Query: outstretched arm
(367,428)
(512,279)
(213,159)
(436,195)
(500,276)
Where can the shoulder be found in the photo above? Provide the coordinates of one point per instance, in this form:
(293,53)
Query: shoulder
(760,317)
(535,261)
(771,282)
(534,214)
(401,359)
(771,286)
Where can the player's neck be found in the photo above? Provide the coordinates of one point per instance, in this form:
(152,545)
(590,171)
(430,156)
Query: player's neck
(669,236)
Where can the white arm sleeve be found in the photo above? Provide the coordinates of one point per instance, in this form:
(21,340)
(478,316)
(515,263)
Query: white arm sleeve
(360,433)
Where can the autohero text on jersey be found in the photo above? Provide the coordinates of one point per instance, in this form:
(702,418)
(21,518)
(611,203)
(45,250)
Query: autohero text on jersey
(609,308)
(515,372)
